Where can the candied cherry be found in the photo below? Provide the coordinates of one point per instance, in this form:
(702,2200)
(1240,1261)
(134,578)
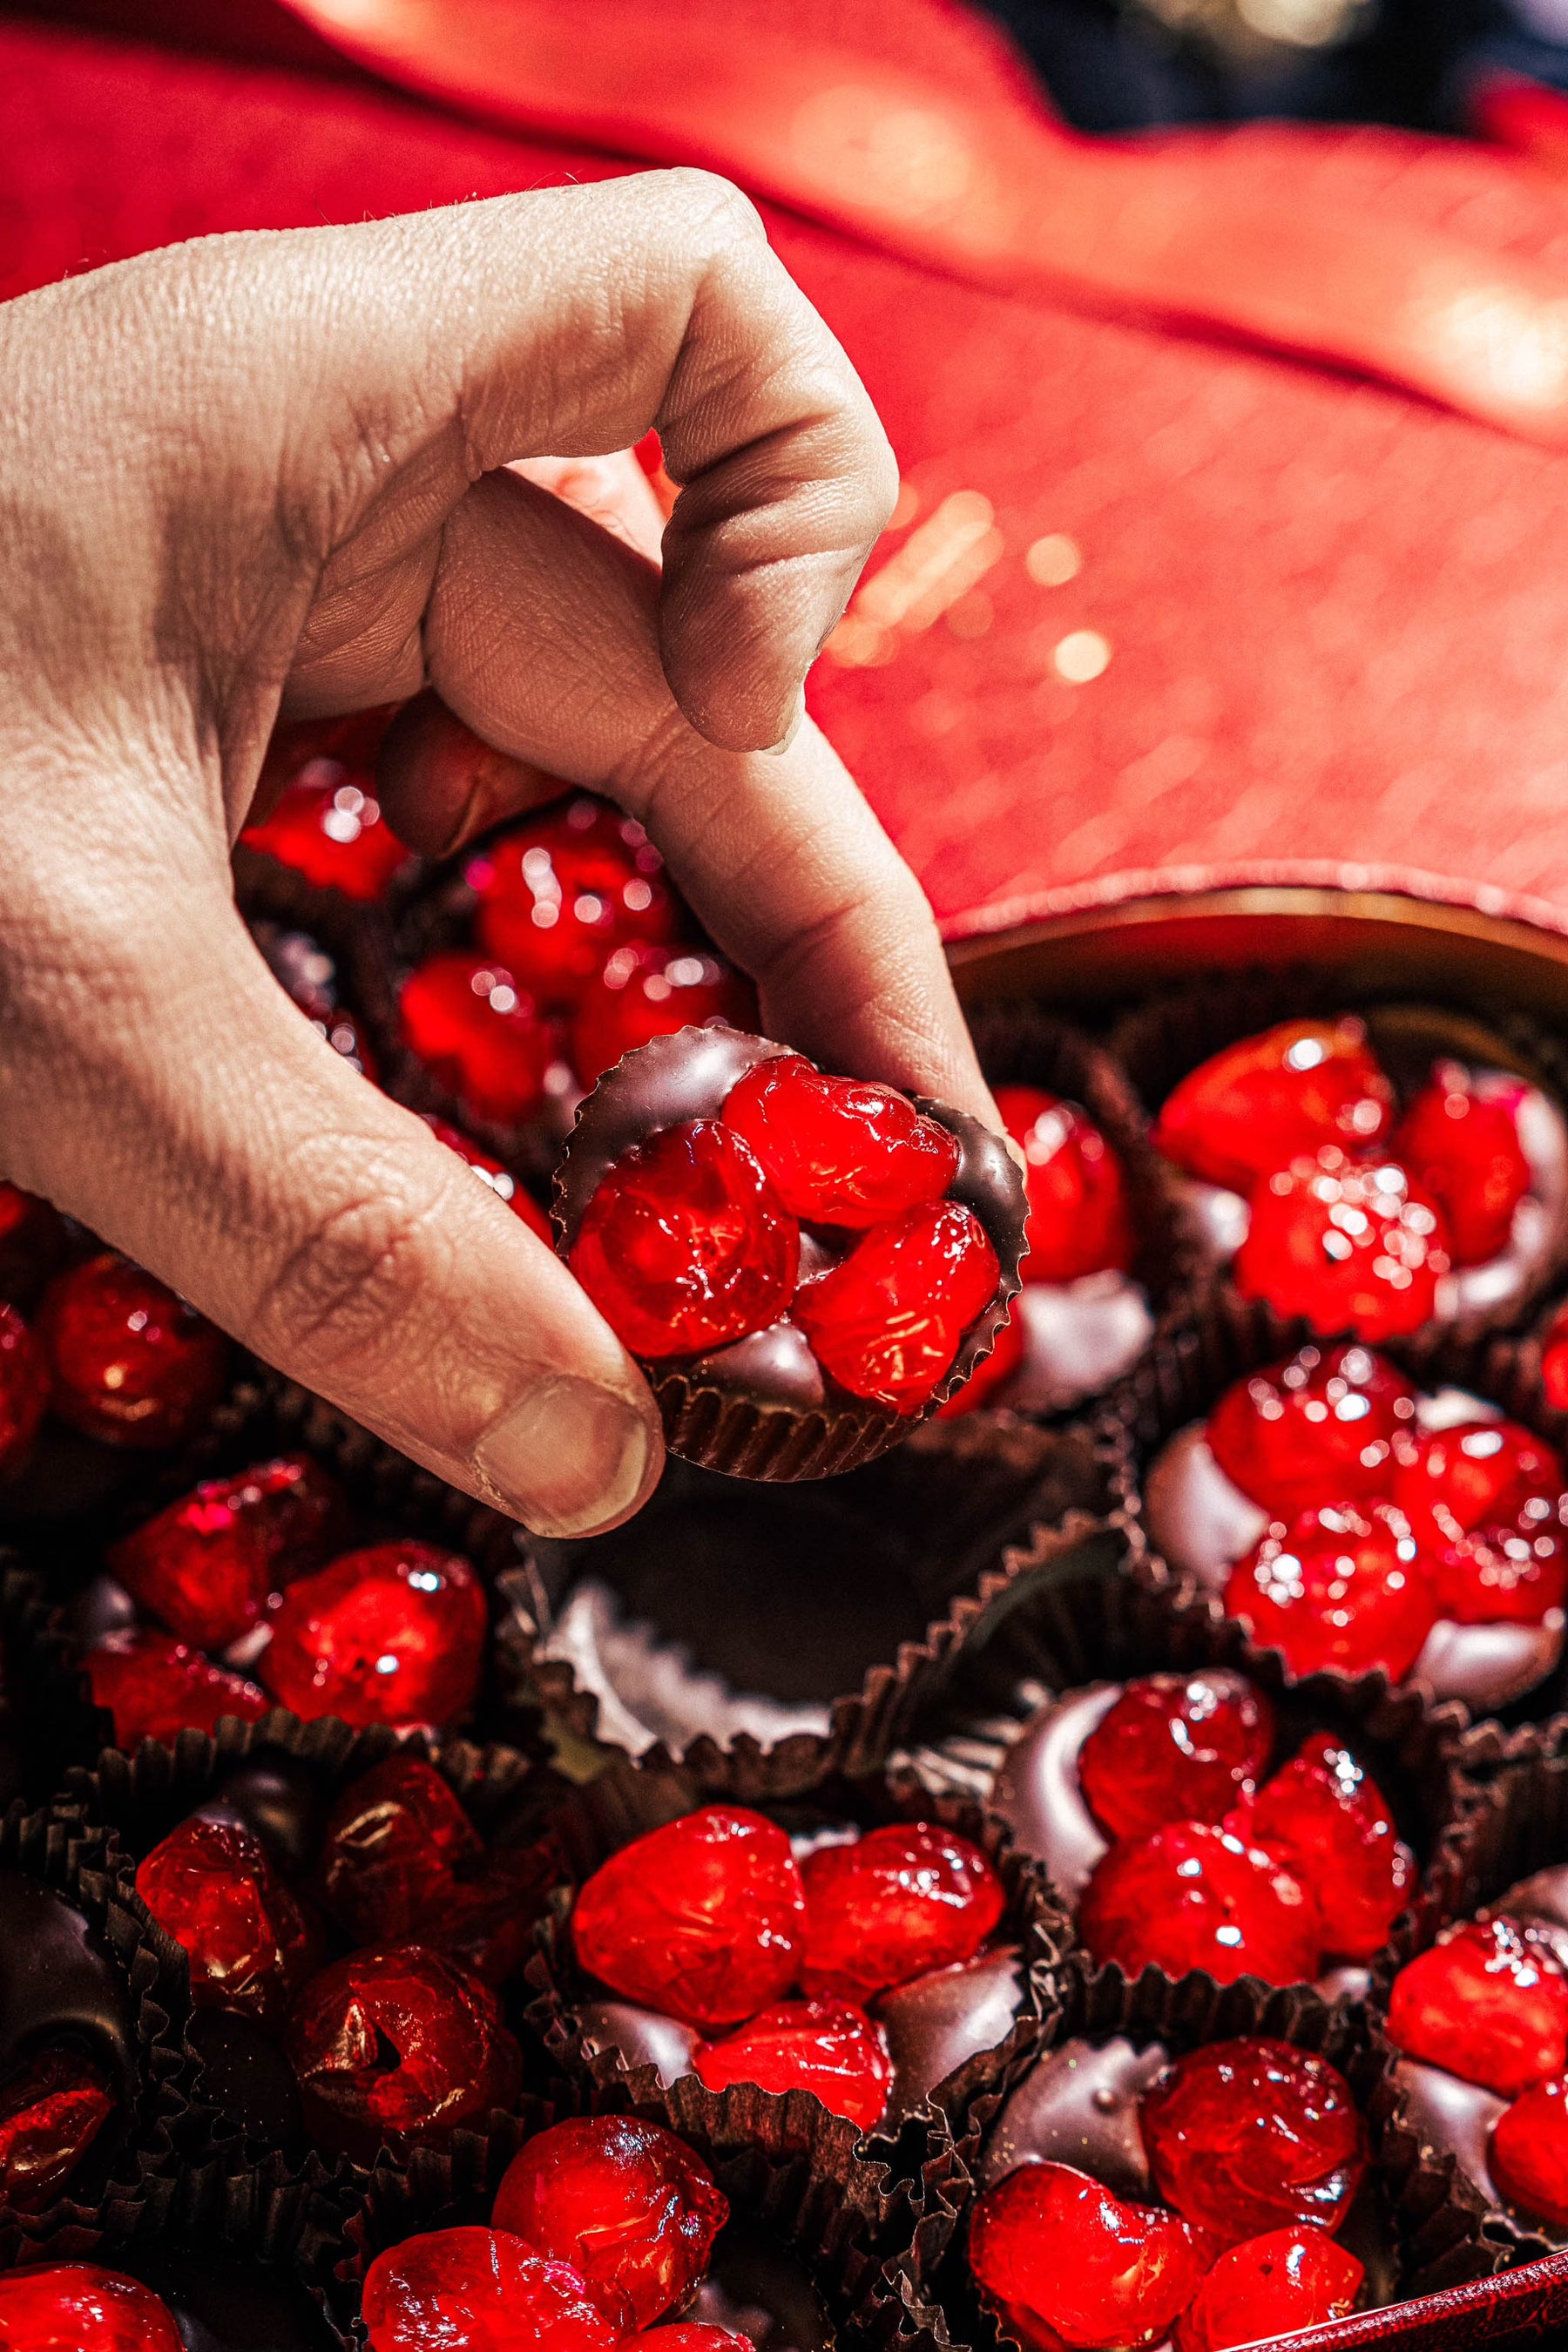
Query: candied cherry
(1461,1143)
(685,1244)
(887,1320)
(32,1242)
(210,1565)
(1347,1247)
(1255,2135)
(1323,1422)
(1485,1499)
(479,1033)
(1080,1220)
(828,2047)
(1175,1748)
(129,1364)
(473,2290)
(502,1181)
(1325,1818)
(79,2307)
(647,990)
(1529,2155)
(900,1901)
(839,1152)
(1490,2003)
(50,2114)
(24,1389)
(393,1635)
(553,899)
(155,1688)
(1092,2266)
(395,2045)
(1253,1107)
(704,1918)
(1342,1589)
(1270,2285)
(632,2208)
(395,1845)
(1193,1896)
(989,1376)
(329,827)
(251,1943)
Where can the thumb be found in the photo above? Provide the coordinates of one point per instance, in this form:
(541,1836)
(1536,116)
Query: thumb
(240,1158)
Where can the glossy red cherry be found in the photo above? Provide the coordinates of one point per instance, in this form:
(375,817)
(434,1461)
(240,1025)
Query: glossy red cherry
(1255,2135)
(1347,1247)
(80,2307)
(392,1635)
(685,1244)
(1267,2287)
(479,1033)
(648,990)
(887,1320)
(1490,2003)
(989,1377)
(1092,2266)
(394,1848)
(897,1901)
(1487,1499)
(478,2290)
(1252,1108)
(1325,1818)
(632,2208)
(839,1152)
(829,2047)
(1343,1590)
(704,1919)
(329,827)
(1175,1748)
(1080,1220)
(209,1566)
(24,1389)
(502,1181)
(1191,1896)
(128,1362)
(50,2114)
(154,1687)
(1322,1424)
(395,2045)
(32,1241)
(1527,2158)
(1462,1146)
(553,901)
(251,1943)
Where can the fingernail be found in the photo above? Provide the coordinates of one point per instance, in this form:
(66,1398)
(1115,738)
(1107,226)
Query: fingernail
(569,1457)
(795,724)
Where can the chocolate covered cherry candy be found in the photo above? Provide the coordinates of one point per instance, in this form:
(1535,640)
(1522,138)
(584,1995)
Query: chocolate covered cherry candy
(68,2043)
(472,2290)
(155,1687)
(1253,1107)
(829,2047)
(81,2308)
(1066,2253)
(1489,2003)
(804,1264)
(1253,2135)
(393,1635)
(1529,2156)
(1175,1748)
(1274,2284)
(209,1566)
(892,1905)
(632,2208)
(1192,1896)
(129,1364)
(251,1943)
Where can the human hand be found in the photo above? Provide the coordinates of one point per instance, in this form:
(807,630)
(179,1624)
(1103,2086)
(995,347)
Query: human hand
(272,475)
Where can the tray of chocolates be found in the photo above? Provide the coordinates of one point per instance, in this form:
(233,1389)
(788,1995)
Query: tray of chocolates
(1050,1829)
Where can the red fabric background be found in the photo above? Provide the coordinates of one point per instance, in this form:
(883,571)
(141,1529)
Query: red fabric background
(1338,618)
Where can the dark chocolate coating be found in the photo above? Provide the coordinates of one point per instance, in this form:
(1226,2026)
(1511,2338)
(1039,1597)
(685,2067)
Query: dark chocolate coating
(758,2289)
(1540,1902)
(937,2023)
(1080,2106)
(777,1364)
(1450,2117)
(223,2301)
(245,2075)
(60,1983)
(277,1797)
(1036,1790)
(643,2036)
(101,1608)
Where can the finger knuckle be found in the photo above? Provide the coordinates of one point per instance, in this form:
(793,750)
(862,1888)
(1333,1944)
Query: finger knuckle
(713,210)
(342,1294)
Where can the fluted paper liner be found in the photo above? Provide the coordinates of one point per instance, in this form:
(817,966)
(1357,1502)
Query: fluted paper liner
(628,1801)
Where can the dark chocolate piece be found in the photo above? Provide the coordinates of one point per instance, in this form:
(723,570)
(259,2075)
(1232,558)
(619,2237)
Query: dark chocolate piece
(937,2023)
(243,2073)
(777,1364)
(59,1984)
(758,2289)
(1540,1902)
(1451,2116)
(1200,1521)
(643,2036)
(1078,1338)
(277,1797)
(102,1608)
(1036,1791)
(1080,2106)
(223,2301)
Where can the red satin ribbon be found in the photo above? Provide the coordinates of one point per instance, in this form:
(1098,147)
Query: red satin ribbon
(972,175)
